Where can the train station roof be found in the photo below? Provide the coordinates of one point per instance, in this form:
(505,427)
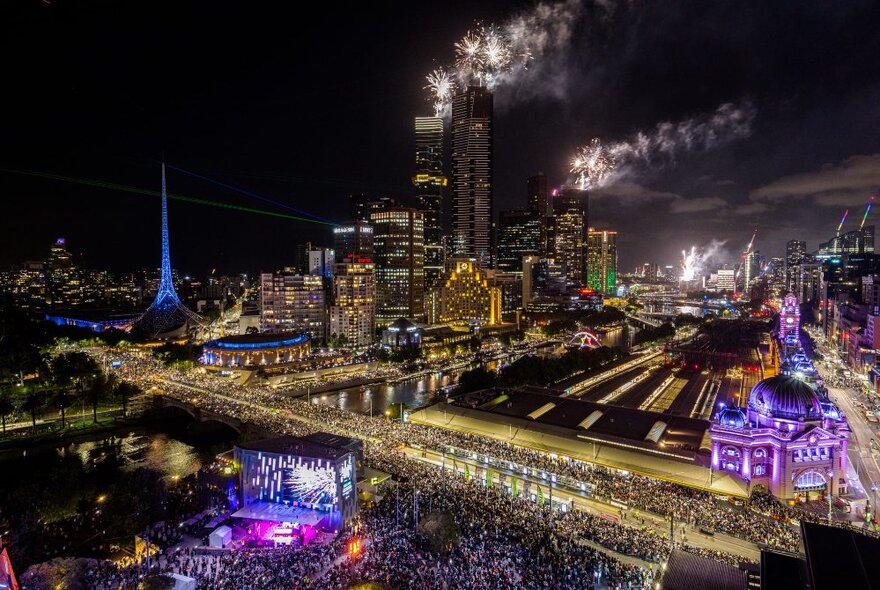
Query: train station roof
(650,429)
(647,443)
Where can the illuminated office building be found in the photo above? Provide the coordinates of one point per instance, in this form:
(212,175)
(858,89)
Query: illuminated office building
(362,206)
(353,240)
(353,313)
(399,254)
(537,189)
(472,208)
(466,295)
(64,287)
(430,184)
(795,255)
(602,261)
(519,235)
(569,231)
(292,303)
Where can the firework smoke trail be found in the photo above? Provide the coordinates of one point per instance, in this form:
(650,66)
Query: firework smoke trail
(660,148)
(500,55)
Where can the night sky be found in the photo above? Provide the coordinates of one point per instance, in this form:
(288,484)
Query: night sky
(306,110)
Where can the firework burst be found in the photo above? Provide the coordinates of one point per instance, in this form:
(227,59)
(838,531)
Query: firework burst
(440,86)
(469,54)
(592,164)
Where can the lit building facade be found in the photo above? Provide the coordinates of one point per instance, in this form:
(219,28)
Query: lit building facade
(725,280)
(399,246)
(790,320)
(789,441)
(353,313)
(64,287)
(362,206)
(430,185)
(795,255)
(857,241)
(568,245)
(292,302)
(519,235)
(299,481)
(466,296)
(602,261)
(472,208)
(353,240)
(251,351)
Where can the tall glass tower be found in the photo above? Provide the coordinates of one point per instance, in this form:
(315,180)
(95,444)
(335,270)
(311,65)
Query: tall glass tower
(430,184)
(472,175)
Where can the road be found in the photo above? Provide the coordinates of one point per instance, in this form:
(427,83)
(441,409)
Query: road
(655,522)
(862,457)
(862,454)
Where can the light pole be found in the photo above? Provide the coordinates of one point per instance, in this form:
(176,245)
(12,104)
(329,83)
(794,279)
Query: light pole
(830,493)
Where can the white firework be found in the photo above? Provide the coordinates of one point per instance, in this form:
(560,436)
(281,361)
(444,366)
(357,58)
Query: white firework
(689,264)
(440,86)
(592,164)
(311,484)
(469,54)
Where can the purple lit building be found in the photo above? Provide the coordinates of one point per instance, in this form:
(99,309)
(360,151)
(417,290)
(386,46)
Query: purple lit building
(789,440)
(790,320)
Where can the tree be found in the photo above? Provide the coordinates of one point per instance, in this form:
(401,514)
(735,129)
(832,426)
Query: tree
(63,400)
(97,392)
(125,390)
(77,367)
(33,401)
(6,407)
(20,343)
(476,379)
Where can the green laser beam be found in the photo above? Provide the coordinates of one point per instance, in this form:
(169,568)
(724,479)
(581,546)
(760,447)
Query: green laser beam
(142,191)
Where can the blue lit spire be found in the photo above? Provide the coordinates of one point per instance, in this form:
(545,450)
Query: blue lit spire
(166,284)
(167,312)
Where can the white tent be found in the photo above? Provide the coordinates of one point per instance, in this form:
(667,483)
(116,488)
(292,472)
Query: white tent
(221,537)
(183,582)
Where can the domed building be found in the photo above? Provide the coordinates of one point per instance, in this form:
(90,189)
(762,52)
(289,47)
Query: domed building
(788,440)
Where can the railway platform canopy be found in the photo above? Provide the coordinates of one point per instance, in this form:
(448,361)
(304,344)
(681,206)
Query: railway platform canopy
(672,448)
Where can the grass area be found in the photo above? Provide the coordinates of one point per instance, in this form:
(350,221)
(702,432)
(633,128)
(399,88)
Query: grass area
(54,432)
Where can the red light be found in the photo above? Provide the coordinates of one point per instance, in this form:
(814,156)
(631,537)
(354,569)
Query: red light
(354,548)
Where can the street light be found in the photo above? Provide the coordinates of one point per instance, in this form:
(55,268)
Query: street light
(830,493)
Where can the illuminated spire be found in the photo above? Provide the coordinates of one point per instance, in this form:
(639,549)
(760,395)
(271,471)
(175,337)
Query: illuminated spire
(167,312)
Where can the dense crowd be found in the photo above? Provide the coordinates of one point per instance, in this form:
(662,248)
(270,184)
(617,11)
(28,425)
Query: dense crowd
(505,540)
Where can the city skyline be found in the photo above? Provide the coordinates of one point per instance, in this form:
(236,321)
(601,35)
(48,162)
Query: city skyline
(805,160)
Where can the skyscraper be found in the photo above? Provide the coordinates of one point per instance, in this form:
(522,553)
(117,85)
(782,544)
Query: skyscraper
(537,188)
(472,175)
(519,235)
(430,184)
(399,246)
(602,261)
(353,240)
(538,203)
(63,278)
(569,234)
(795,251)
(362,206)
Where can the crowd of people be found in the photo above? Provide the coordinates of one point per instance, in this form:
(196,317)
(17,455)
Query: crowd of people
(505,540)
